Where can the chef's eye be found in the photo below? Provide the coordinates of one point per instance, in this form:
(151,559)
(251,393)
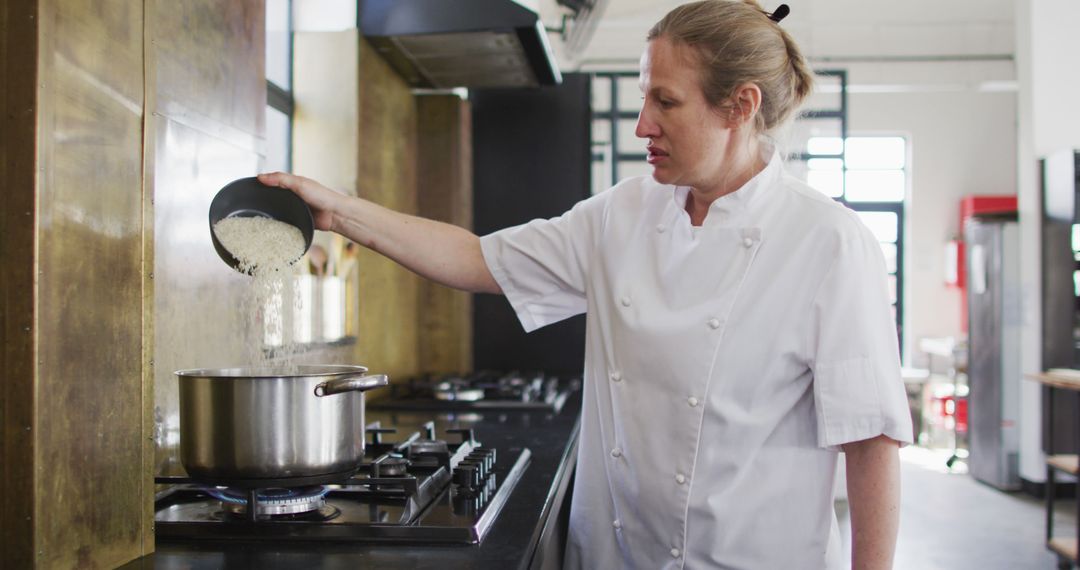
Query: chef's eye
(666,104)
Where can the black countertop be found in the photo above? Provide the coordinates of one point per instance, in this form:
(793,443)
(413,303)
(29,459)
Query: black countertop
(510,543)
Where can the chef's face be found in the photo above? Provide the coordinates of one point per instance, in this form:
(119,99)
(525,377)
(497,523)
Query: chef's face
(688,137)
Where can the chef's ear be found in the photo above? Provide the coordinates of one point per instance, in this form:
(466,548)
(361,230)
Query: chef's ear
(745,104)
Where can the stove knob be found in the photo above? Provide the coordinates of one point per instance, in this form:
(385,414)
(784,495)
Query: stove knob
(489,456)
(467,476)
(481,459)
(481,470)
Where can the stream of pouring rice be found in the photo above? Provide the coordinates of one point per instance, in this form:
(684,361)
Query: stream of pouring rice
(266,250)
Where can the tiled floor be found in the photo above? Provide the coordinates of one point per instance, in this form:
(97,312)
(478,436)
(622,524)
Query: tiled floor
(950,521)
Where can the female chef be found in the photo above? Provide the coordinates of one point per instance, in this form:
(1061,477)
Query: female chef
(739,334)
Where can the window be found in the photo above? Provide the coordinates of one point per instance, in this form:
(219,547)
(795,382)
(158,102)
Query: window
(279,99)
(867,174)
(870,177)
(617,153)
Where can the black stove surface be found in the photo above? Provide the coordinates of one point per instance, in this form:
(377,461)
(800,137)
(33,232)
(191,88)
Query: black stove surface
(482,390)
(449,493)
(510,542)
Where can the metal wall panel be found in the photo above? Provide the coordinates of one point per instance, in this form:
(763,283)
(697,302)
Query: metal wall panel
(388,336)
(18,226)
(444,192)
(90,490)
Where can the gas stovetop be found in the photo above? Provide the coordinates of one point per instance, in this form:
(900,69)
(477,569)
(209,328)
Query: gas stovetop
(484,390)
(419,489)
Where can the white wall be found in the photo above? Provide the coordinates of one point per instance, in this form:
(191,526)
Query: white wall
(962,141)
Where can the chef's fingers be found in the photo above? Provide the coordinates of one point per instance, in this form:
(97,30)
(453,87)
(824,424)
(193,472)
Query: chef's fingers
(319,198)
(282,179)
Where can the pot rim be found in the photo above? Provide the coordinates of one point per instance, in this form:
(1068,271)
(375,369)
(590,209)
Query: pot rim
(299,371)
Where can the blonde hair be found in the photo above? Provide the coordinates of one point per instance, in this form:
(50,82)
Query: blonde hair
(737,43)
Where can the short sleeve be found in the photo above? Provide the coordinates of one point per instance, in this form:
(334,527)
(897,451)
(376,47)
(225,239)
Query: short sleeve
(858,390)
(543,266)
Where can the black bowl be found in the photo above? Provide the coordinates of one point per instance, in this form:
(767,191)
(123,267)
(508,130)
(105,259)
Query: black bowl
(247,197)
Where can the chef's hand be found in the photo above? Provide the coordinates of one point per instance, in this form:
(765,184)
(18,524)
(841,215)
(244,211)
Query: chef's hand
(322,200)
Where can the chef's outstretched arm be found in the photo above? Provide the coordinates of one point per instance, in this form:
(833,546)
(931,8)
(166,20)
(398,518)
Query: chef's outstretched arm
(442,252)
(873,483)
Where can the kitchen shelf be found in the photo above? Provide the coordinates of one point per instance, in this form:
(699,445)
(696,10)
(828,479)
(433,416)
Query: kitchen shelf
(1065,547)
(1057,380)
(1066,463)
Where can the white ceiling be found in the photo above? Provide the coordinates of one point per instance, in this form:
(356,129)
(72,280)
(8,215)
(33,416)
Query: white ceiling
(826,29)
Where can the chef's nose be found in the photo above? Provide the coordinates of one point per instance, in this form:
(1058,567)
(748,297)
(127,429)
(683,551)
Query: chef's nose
(646,127)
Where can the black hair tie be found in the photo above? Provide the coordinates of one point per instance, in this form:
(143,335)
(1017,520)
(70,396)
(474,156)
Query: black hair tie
(780,13)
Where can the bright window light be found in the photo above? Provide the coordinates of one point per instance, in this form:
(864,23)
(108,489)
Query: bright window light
(825,145)
(875,185)
(828,182)
(875,153)
(881,224)
(825,164)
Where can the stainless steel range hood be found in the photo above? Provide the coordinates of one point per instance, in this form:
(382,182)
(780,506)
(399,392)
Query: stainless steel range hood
(461,43)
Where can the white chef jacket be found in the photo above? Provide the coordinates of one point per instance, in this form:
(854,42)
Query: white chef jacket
(724,365)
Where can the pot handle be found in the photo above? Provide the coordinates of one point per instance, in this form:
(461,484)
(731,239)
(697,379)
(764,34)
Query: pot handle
(351,384)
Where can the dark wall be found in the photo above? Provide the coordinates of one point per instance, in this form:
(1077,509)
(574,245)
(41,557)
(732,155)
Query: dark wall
(1061,204)
(531,159)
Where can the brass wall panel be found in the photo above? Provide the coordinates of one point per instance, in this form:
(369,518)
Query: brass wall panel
(210,64)
(18,225)
(207,130)
(200,317)
(90,437)
(444,192)
(389,335)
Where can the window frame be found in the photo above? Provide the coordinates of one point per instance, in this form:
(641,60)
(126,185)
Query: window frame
(280,98)
(612,115)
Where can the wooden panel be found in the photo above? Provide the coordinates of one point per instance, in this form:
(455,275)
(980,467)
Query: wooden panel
(18,223)
(89,388)
(388,339)
(444,192)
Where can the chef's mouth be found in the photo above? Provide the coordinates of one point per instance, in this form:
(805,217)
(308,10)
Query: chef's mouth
(655,155)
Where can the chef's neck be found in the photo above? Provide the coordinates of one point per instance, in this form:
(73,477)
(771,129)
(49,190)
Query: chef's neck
(741,163)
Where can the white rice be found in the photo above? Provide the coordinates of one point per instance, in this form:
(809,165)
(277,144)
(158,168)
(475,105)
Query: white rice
(260,244)
(265,249)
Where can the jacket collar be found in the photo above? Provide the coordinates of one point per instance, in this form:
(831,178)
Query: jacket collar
(734,203)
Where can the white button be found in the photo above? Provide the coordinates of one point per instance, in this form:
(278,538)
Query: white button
(616,377)
(617,525)
(680,478)
(625,301)
(675,553)
(616,452)
(692,401)
(714,323)
(659,229)
(747,242)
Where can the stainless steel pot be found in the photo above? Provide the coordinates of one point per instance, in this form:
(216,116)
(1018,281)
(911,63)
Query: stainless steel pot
(252,427)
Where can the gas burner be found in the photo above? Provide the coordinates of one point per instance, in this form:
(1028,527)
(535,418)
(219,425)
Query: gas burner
(271,502)
(405,492)
(390,465)
(458,390)
(486,389)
